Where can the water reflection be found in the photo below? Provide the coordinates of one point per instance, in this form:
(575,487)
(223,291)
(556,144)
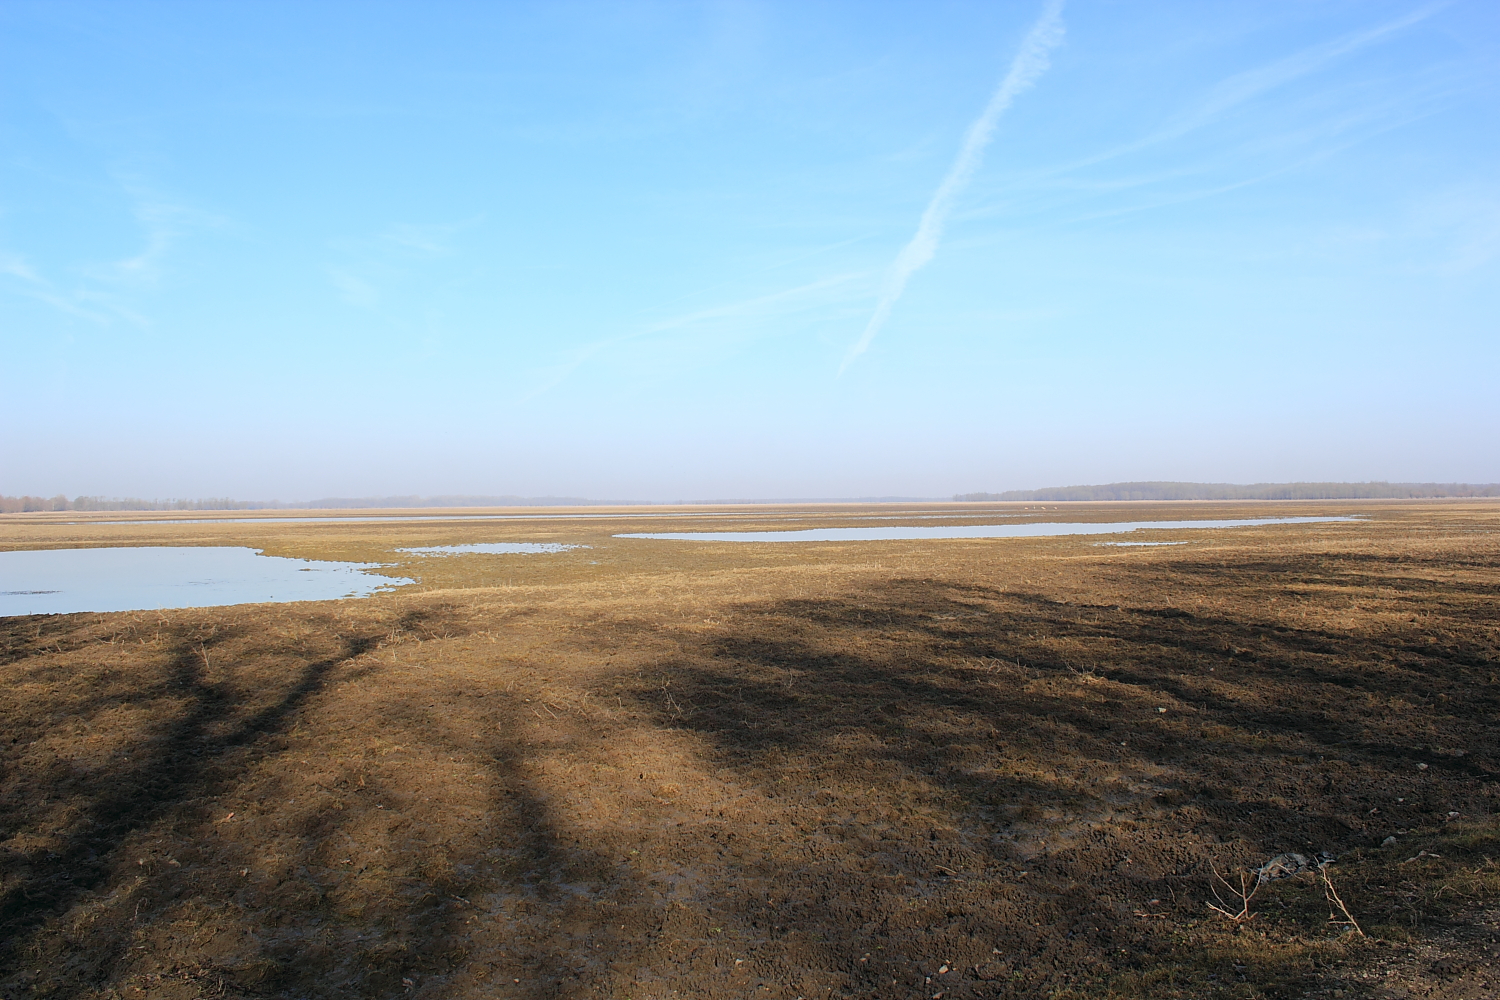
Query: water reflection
(142,578)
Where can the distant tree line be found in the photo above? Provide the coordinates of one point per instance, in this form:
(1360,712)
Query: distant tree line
(337,503)
(1234,491)
(19,505)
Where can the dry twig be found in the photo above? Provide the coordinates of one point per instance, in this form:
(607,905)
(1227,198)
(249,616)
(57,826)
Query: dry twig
(1332,895)
(1243,894)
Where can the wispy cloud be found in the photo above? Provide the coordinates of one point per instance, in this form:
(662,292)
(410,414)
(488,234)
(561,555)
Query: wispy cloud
(163,222)
(1457,230)
(33,285)
(17,267)
(1239,89)
(744,308)
(1246,86)
(353,289)
(371,266)
(1298,133)
(1030,63)
(102,291)
(1297,150)
(431,240)
(759,309)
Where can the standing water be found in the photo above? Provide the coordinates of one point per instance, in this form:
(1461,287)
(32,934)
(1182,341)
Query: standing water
(62,581)
(1032,530)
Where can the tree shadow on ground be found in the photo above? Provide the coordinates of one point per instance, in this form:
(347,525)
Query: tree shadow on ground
(190,755)
(247,836)
(914,774)
(945,738)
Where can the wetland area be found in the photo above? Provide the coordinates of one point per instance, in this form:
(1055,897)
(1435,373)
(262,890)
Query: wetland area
(564,763)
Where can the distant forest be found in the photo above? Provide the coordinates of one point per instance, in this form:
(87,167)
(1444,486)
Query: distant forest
(18,505)
(1111,491)
(1234,491)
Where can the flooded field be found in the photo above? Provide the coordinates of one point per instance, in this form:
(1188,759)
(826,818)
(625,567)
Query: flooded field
(1039,529)
(140,578)
(494,549)
(145,577)
(850,768)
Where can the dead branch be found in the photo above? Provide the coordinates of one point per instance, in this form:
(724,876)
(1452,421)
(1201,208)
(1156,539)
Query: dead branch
(1332,896)
(1240,896)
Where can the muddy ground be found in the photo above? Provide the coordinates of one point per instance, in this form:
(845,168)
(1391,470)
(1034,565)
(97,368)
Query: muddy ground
(978,768)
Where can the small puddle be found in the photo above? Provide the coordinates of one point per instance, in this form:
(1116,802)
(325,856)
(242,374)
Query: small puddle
(1124,544)
(145,578)
(494,548)
(1033,530)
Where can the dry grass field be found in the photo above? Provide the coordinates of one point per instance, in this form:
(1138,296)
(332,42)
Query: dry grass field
(964,768)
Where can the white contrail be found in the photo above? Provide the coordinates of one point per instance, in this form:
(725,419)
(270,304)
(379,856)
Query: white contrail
(1030,63)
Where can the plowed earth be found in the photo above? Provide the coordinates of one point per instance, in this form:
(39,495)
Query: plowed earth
(978,768)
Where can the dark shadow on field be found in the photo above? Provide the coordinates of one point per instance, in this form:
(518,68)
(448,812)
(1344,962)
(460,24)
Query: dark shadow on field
(182,759)
(938,777)
(517,905)
(1032,728)
(388,928)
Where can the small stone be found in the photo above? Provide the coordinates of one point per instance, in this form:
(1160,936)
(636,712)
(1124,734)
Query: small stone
(1421,767)
(1388,842)
(943,970)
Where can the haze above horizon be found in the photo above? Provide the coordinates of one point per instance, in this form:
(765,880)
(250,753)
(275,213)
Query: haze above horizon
(743,249)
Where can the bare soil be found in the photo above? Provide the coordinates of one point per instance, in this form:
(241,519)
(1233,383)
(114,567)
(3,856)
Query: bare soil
(973,768)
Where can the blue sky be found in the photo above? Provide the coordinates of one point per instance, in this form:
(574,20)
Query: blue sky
(631,251)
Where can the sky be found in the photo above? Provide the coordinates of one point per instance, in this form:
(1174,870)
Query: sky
(677,251)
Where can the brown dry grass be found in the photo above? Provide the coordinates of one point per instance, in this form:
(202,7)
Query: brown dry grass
(770,771)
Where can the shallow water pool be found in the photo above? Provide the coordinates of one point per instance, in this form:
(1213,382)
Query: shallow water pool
(1135,544)
(904,533)
(144,578)
(494,548)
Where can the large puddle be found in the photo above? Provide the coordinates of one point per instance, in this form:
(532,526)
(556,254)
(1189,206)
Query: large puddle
(1130,544)
(1032,530)
(375,518)
(144,578)
(494,549)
